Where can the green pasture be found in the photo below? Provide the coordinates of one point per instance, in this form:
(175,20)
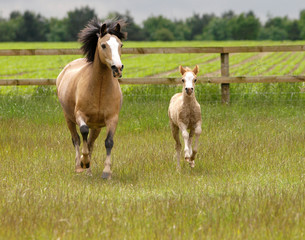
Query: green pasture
(248,182)
(166,65)
(249,178)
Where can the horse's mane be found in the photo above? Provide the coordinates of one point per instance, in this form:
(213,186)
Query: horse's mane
(90,34)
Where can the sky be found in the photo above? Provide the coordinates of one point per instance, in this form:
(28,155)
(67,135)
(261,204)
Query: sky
(142,9)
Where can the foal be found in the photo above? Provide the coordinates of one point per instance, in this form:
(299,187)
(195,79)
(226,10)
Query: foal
(184,113)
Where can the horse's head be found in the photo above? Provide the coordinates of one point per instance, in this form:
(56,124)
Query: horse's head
(109,50)
(189,78)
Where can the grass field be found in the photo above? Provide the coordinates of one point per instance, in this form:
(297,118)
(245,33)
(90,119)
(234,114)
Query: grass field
(248,182)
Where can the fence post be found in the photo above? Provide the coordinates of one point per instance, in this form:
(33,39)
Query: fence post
(225,87)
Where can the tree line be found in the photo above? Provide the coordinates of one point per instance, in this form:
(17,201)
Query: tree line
(30,26)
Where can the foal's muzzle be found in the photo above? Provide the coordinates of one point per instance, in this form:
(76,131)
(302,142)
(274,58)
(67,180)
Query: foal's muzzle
(117,71)
(189,91)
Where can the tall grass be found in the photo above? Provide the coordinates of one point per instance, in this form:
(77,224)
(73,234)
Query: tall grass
(248,182)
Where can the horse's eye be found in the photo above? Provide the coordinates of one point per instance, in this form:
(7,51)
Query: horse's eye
(103,46)
(195,80)
(122,45)
(182,80)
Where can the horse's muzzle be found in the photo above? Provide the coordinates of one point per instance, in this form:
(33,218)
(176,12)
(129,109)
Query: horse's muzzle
(117,71)
(189,91)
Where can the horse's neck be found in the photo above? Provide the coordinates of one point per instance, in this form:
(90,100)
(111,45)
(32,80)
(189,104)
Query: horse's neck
(188,100)
(101,74)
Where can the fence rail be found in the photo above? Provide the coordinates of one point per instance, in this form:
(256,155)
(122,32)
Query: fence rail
(224,80)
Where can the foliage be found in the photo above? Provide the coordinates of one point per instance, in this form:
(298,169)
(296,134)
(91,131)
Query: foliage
(229,26)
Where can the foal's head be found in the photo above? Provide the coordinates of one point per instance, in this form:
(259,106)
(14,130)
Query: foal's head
(106,40)
(189,78)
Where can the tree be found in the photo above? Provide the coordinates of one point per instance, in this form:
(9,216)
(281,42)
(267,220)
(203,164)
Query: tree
(77,20)
(31,27)
(57,31)
(218,29)
(245,26)
(154,25)
(302,24)
(275,29)
(197,23)
(135,33)
(293,30)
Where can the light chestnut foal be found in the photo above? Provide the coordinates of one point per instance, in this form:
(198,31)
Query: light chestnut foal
(89,91)
(185,114)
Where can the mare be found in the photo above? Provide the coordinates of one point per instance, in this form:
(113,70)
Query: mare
(89,92)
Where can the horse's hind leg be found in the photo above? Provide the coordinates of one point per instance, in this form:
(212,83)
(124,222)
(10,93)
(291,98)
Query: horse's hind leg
(76,143)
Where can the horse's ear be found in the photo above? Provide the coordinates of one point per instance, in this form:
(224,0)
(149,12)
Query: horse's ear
(196,69)
(182,70)
(117,28)
(103,30)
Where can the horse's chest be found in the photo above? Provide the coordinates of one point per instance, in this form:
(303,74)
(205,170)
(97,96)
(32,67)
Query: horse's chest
(189,117)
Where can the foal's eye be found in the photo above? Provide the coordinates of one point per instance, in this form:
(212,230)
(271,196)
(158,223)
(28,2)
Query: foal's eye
(122,45)
(103,46)
(195,80)
(182,80)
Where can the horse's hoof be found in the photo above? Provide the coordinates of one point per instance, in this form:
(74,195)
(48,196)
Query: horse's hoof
(187,159)
(192,164)
(84,166)
(79,169)
(106,175)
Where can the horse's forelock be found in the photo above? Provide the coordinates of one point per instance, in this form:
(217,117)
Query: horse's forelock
(90,34)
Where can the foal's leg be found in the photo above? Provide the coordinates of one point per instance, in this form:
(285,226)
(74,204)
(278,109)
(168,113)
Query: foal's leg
(84,130)
(197,134)
(191,161)
(175,132)
(76,143)
(185,136)
(111,126)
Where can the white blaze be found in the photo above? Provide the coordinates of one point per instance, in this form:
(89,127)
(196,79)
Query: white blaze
(114,46)
(189,76)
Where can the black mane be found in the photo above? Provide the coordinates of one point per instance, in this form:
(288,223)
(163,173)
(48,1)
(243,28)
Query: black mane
(90,34)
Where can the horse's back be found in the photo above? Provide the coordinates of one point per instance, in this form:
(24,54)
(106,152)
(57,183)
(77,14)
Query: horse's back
(66,84)
(70,70)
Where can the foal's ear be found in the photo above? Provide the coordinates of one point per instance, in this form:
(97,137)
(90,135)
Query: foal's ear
(103,30)
(182,70)
(196,69)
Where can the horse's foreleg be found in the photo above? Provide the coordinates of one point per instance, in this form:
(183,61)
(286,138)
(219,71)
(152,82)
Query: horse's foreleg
(175,132)
(84,130)
(94,133)
(185,136)
(111,126)
(197,134)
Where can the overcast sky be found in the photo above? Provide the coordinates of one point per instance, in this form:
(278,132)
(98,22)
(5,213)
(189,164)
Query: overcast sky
(142,9)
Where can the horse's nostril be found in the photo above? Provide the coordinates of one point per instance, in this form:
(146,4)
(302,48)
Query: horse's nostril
(113,67)
(122,67)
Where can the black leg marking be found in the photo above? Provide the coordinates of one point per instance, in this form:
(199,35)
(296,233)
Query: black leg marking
(84,131)
(87,165)
(109,143)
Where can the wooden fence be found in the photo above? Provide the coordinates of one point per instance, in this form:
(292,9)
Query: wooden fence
(224,52)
